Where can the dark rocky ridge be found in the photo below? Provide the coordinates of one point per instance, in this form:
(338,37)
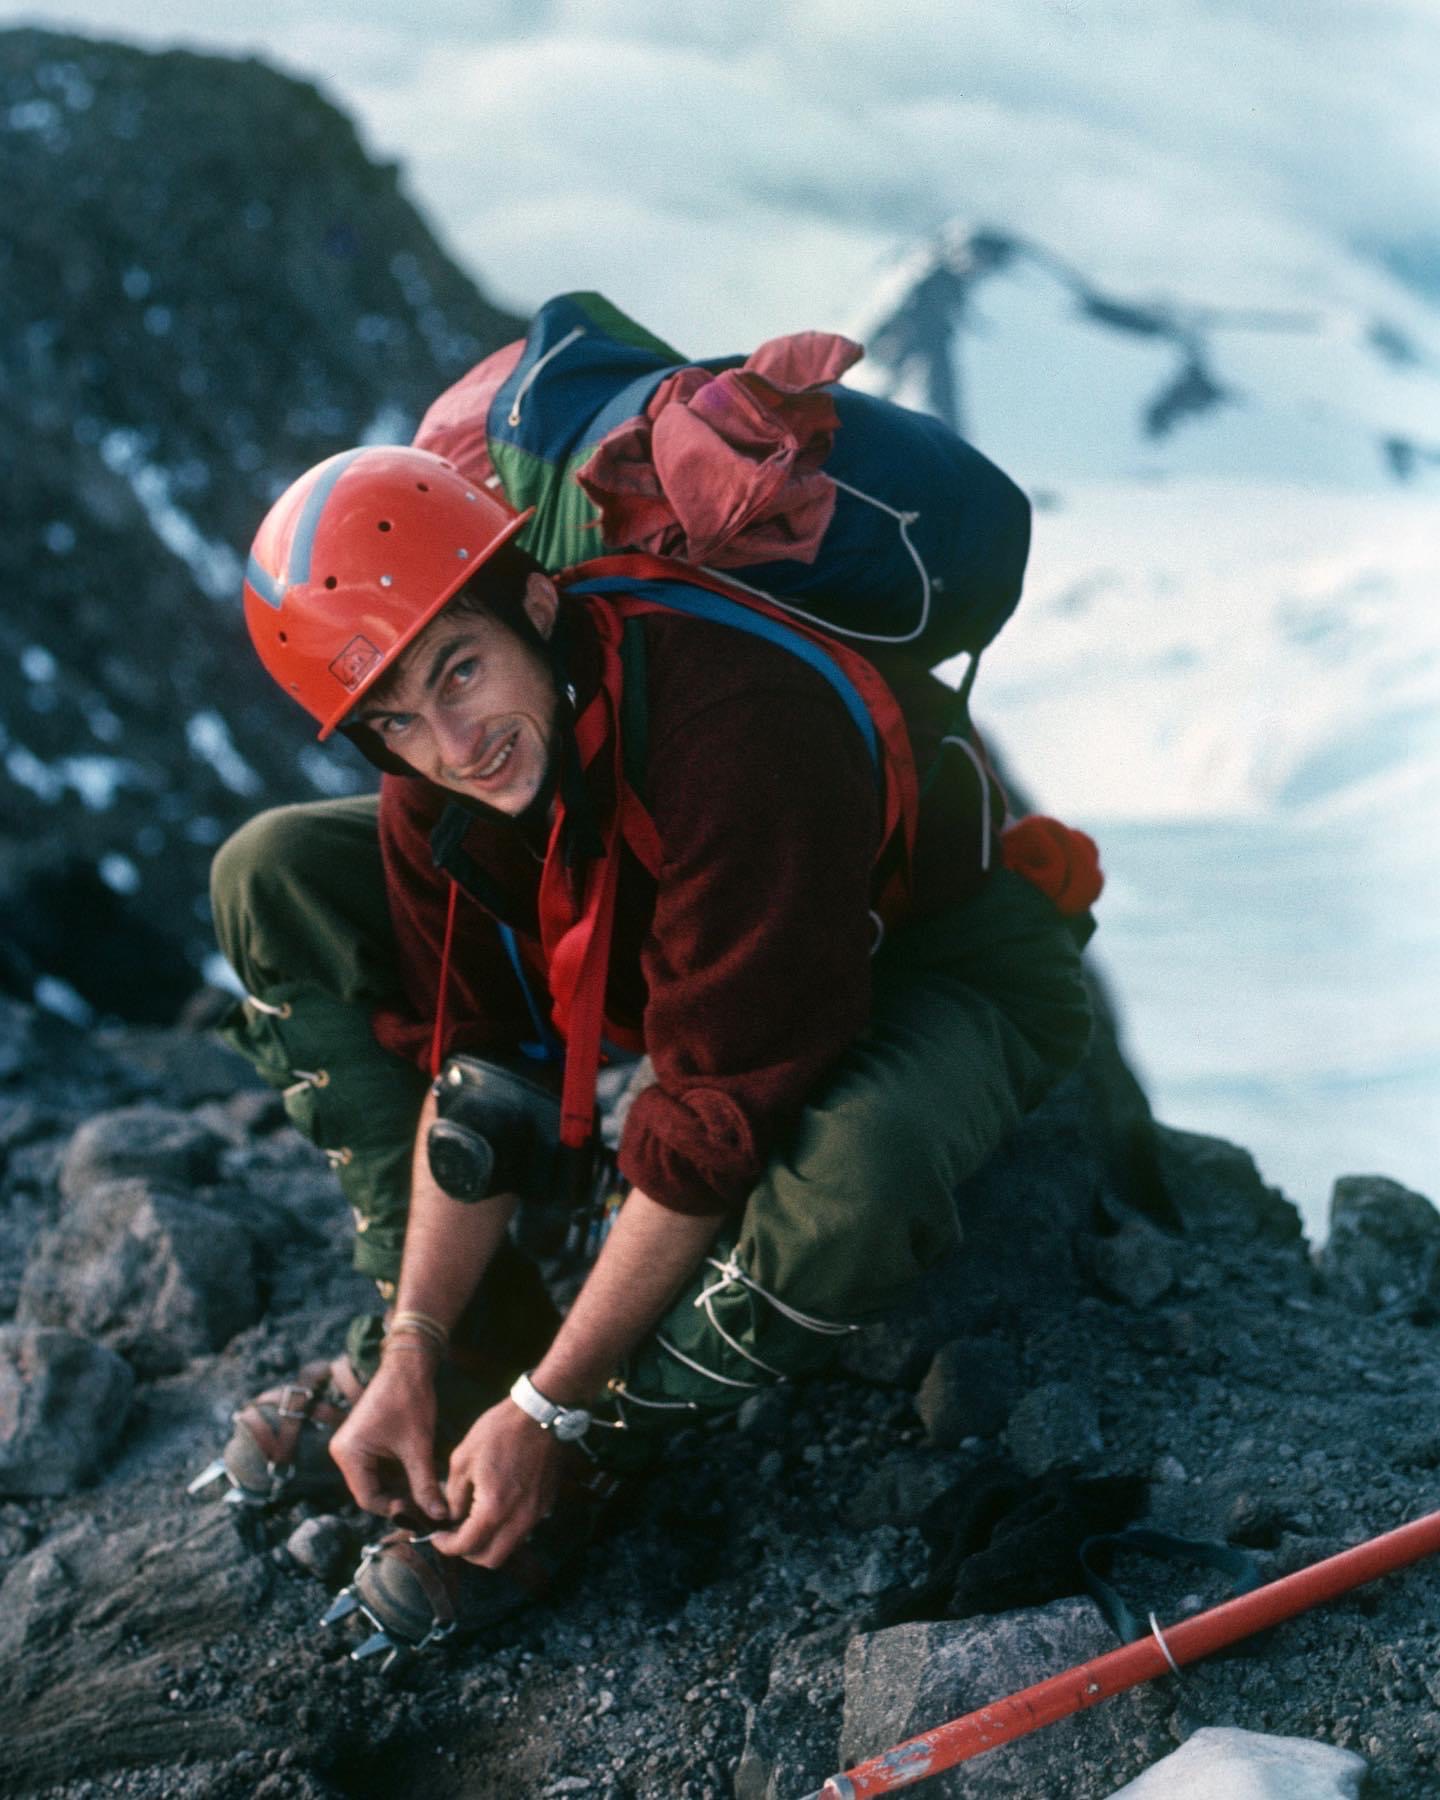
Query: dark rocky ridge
(207,286)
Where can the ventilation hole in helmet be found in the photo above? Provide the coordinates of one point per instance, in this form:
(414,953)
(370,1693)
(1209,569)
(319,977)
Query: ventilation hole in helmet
(424,486)
(284,637)
(331,582)
(384,524)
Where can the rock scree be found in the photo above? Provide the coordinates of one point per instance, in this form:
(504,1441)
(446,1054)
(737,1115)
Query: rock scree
(778,1599)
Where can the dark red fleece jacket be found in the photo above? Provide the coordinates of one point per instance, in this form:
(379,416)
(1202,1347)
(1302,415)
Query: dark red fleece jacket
(746,966)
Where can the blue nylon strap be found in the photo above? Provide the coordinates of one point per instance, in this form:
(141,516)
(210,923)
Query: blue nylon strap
(546,1046)
(700,603)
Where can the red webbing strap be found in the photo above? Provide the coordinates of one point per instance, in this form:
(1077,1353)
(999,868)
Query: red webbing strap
(437,1040)
(578,950)
(902,784)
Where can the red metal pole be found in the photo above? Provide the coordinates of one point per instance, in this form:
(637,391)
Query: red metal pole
(1089,1683)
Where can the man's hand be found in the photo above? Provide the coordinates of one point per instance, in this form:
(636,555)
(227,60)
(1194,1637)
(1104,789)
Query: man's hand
(386,1448)
(502,1483)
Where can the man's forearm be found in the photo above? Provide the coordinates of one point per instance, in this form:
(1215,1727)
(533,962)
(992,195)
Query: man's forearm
(448,1243)
(645,1261)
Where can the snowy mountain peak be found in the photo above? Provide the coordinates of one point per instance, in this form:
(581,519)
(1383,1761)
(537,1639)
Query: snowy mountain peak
(1060,378)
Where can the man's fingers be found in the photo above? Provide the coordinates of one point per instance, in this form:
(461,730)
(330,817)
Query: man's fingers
(472,1536)
(459,1492)
(502,1542)
(424,1486)
(362,1477)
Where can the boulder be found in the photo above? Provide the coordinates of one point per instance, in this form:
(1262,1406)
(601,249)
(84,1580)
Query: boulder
(146,1271)
(1055,1426)
(149,1141)
(791,1736)
(183,1067)
(900,1682)
(1219,1191)
(63,1403)
(968,1390)
(1249,1765)
(1383,1251)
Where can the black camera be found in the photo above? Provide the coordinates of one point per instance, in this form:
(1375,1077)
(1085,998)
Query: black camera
(498,1132)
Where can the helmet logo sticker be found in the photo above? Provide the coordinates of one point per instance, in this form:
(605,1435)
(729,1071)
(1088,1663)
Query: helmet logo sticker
(355,662)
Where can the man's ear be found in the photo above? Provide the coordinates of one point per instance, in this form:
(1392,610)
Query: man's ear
(542,602)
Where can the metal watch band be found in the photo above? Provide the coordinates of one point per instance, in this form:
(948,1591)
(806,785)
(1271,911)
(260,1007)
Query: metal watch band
(566,1422)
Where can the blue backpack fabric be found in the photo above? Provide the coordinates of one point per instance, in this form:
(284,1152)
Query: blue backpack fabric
(928,541)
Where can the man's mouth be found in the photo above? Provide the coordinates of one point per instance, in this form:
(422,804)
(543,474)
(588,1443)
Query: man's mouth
(500,760)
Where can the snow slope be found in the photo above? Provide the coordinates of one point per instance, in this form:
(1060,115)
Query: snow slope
(1227,665)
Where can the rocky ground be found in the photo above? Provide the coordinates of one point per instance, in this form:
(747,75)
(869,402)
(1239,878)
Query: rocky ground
(794,1591)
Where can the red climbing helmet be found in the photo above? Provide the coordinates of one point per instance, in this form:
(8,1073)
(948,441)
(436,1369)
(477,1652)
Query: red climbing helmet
(354,560)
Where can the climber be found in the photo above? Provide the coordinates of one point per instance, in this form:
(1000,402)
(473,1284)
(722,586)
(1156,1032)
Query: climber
(615,819)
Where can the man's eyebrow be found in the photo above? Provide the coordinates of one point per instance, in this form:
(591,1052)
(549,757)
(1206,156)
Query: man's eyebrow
(377,709)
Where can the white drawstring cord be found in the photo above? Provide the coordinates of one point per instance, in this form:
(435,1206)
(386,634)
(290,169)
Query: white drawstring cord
(699,1368)
(738,1348)
(730,1271)
(535,368)
(905,520)
(984,780)
(263,1006)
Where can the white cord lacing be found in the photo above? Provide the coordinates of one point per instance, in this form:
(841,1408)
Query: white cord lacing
(732,1274)
(699,1368)
(736,1346)
(905,520)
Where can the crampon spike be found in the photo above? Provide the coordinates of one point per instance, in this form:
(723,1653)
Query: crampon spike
(380,1643)
(212,1472)
(341,1607)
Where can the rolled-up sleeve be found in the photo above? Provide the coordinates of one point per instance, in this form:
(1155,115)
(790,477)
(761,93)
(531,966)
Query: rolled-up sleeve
(757,966)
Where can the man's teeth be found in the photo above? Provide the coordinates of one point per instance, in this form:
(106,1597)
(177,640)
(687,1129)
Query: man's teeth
(498,762)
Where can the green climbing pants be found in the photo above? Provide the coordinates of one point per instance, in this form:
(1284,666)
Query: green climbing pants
(977,1012)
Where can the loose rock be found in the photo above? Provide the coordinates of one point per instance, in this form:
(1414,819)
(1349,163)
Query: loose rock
(63,1403)
(1136,1265)
(901,1681)
(1249,1765)
(149,1141)
(1383,1252)
(324,1547)
(968,1390)
(145,1271)
(791,1737)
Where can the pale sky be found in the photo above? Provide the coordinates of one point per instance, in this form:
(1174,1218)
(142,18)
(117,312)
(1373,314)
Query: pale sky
(727,171)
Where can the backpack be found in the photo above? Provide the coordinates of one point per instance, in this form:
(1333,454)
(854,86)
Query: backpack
(869,520)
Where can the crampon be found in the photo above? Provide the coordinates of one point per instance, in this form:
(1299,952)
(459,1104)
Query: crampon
(279,1450)
(414,1598)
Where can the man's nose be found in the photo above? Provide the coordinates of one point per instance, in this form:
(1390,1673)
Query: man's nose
(456,743)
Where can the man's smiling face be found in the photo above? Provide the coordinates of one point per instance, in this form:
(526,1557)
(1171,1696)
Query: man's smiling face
(472,706)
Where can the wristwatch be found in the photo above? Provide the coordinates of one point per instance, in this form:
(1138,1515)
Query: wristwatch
(567,1422)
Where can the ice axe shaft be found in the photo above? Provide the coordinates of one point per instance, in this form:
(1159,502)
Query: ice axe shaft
(1087,1684)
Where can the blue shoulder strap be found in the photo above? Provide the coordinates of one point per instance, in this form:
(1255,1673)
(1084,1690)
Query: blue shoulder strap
(701,603)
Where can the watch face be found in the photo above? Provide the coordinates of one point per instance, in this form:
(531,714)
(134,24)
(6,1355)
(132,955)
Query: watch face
(571,1424)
